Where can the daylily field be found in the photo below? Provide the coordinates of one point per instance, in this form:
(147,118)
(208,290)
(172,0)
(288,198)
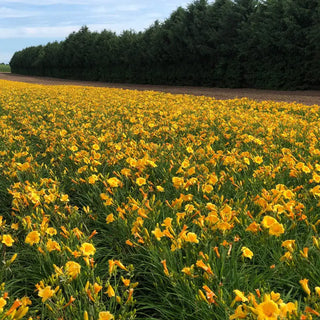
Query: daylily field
(118,204)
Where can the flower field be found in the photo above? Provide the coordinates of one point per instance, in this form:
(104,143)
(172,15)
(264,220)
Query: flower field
(118,204)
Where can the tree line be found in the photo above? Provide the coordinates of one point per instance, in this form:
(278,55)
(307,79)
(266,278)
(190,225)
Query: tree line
(241,43)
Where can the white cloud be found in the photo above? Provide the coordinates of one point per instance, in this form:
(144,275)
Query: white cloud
(111,3)
(62,32)
(65,2)
(43,3)
(115,10)
(37,32)
(12,13)
(129,8)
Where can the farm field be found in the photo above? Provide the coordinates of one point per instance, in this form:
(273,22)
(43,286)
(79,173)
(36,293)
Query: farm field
(126,204)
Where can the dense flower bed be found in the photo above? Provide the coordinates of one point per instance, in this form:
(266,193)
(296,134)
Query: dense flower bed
(119,204)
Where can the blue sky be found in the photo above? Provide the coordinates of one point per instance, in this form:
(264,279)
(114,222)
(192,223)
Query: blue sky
(25,23)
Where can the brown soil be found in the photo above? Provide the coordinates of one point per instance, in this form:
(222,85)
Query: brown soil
(307,97)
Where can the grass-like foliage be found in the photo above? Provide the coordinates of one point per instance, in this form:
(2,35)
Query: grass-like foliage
(4,67)
(119,204)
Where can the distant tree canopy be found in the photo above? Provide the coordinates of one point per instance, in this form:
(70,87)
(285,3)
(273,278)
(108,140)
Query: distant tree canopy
(240,43)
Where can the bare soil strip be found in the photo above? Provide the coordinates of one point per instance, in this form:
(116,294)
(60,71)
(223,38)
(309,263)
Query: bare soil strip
(307,97)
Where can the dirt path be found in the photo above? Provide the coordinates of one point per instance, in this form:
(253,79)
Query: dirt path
(306,97)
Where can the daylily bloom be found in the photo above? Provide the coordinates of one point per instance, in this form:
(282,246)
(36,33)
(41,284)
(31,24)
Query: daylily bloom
(305,287)
(32,238)
(73,269)
(87,249)
(45,293)
(246,252)
(7,240)
(105,315)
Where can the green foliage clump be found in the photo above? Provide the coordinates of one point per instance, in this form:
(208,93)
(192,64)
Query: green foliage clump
(4,67)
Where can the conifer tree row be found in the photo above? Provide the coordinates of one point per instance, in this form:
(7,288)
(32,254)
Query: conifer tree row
(241,43)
